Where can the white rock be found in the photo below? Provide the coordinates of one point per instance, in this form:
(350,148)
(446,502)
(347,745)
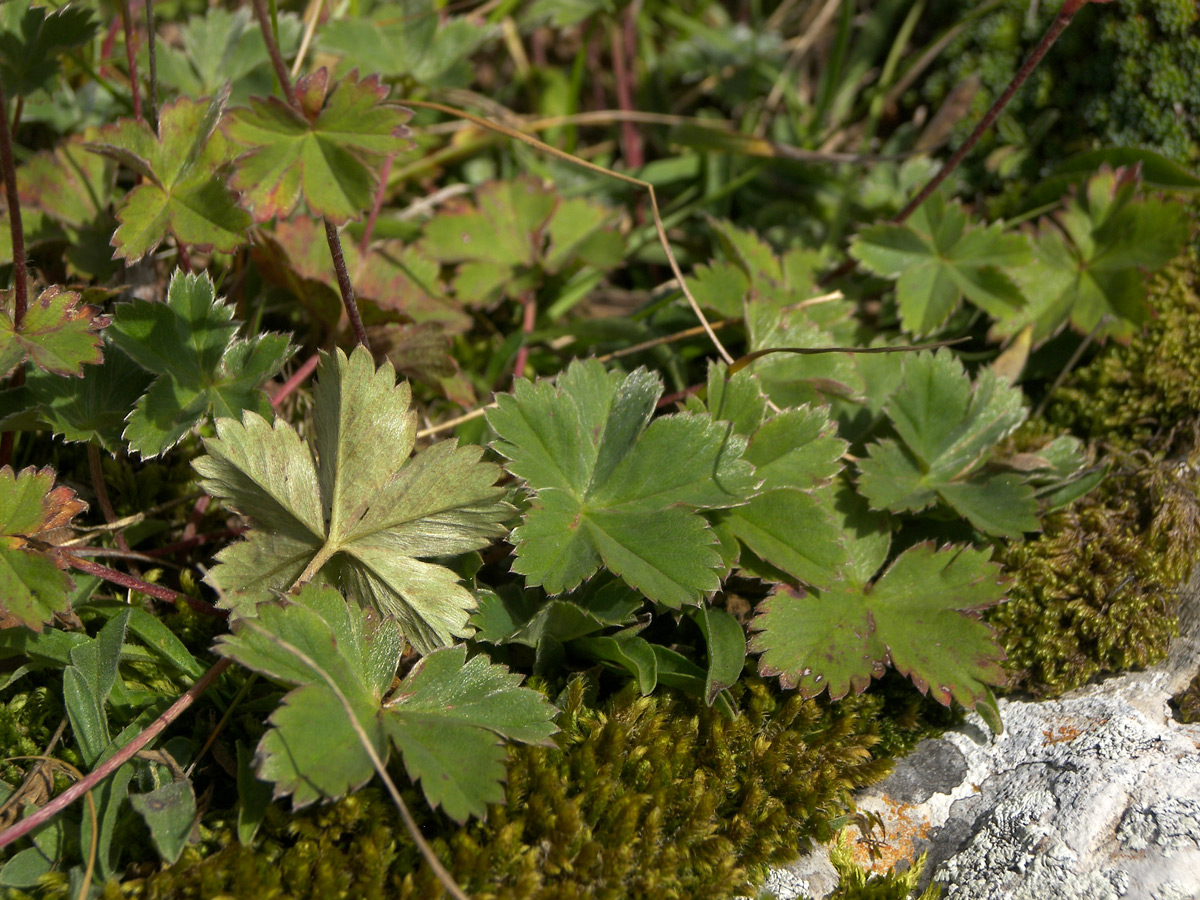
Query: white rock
(1095,796)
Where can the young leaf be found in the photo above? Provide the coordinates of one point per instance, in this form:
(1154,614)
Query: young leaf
(87,683)
(323,155)
(610,487)
(58,334)
(359,511)
(183,192)
(446,717)
(937,259)
(920,616)
(947,427)
(31,41)
(1093,263)
(190,343)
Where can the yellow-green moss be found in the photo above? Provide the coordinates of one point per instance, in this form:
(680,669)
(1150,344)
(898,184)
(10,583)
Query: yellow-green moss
(644,797)
(1096,592)
(1146,395)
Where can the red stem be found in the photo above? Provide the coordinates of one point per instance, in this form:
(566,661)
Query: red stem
(281,70)
(298,378)
(331,234)
(624,52)
(377,205)
(157,591)
(131,56)
(527,324)
(122,756)
(20,275)
(1057,27)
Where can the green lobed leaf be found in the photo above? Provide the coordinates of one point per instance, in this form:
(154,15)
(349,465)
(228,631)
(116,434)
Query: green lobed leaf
(366,516)
(57,334)
(183,192)
(611,487)
(788,523)
(920,616)
(32,586)
(323,156)
(513,228)
(191,344)
(222,47)
(947,427)
(412,39)
(936,260)
(446,717)
(1089,266)
(33,39)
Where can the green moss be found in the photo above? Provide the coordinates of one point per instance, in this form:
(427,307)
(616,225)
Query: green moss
(1123,74)
(644,797)
(1097,592)
(1144,395)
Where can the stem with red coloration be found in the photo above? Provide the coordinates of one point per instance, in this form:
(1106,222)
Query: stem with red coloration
(157,591)
(17,230)
(118,759)
(1057,27)
(331,234)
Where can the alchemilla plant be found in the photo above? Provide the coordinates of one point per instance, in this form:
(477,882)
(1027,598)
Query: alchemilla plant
(394,465)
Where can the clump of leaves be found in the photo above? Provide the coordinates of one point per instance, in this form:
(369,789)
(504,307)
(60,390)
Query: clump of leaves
(353,508)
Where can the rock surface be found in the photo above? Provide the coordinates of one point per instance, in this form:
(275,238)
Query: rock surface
(1089,797)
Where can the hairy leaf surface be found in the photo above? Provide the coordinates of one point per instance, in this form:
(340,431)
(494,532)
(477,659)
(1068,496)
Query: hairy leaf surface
(353,508)
(447,717)
(613,488)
